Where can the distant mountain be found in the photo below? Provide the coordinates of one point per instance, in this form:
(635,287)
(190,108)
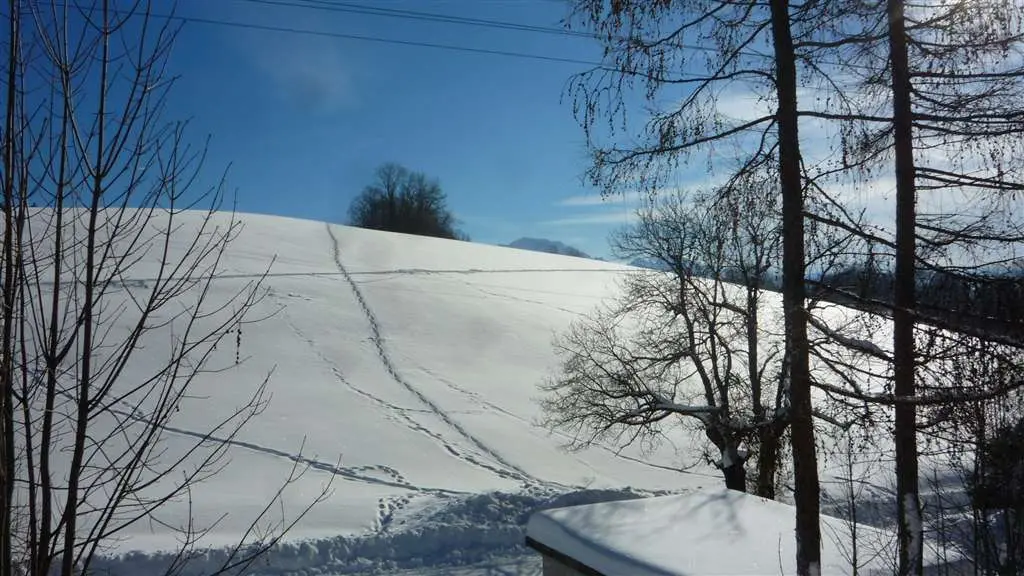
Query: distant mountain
(648,263)
(549,246)
(655,264)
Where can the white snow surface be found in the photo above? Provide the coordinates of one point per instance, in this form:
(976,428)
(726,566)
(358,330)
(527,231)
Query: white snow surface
(405,369)
(706,532)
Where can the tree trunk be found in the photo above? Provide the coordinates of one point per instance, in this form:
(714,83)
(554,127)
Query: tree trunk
(733,467)
(805,460)
(10,288)
(735,477)
(767,441)
(768,460)
(909,527)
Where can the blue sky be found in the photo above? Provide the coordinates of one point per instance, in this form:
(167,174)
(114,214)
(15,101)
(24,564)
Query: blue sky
(305,117)
(304,120)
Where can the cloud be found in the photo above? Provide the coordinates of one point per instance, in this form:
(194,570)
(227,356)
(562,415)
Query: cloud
(874,197)
(737,106)
(598,200)
(743,106)
(637,197)
(595,219)
(308,73)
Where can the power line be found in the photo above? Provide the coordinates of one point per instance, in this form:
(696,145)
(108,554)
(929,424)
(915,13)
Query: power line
(358,37)
(346,7)
(484,51)
(350,8)
(378,39)
(400,42)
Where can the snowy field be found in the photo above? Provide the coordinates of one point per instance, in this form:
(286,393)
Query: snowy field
(404,370)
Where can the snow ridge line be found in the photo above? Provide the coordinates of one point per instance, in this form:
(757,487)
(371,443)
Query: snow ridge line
(385,358)
(136,282)
(427,271)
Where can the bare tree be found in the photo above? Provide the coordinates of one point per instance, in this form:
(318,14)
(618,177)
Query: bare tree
(689,54)
(112,306)
(689,341)
(857,504)
(927,92)
(928,95)
(976,508)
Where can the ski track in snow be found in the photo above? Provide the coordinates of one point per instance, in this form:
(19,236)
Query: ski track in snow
(474,396)
(507,470)
(356,473)
(391,410)
(399,414)
(520,299)
(484,403)
(142,282)
(427,271)
(480,401)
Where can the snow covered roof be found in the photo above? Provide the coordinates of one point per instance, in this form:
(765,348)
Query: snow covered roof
(706,532)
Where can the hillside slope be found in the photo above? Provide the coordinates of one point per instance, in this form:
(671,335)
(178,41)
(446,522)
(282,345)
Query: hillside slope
(405,370)
(414,362)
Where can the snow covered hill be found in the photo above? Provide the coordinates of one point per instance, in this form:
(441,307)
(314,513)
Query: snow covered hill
(406,368)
